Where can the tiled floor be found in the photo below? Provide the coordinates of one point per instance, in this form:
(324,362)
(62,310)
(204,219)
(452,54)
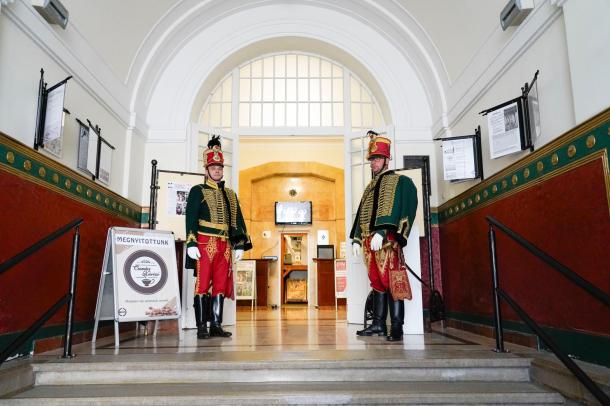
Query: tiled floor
(291,328)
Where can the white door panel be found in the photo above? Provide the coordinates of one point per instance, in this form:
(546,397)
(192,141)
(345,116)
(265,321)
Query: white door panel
(358,175)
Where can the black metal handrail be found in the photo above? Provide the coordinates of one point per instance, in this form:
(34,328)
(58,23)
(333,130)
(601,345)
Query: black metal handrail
(68,298)
(564,270)
(498,294)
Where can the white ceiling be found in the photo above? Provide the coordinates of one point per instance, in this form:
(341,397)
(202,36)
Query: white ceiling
(116,29)
(458,28)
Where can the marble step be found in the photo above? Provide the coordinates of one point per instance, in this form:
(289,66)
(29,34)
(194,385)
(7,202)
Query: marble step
(391,393)
(81,372)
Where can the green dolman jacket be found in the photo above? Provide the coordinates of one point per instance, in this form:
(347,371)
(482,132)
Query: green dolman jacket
(388,203)
(212,209)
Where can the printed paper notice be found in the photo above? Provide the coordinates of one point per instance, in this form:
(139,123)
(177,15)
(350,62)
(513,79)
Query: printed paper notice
(458,159)
(504,131)
(177,195)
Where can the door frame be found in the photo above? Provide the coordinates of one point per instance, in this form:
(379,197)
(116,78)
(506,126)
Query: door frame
(423,162)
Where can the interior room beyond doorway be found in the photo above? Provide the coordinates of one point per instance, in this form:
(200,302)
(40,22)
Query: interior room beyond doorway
(279,169)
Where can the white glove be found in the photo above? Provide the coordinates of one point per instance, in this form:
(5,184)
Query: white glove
(193,253)
(239,254)
(356,250)
(376,242)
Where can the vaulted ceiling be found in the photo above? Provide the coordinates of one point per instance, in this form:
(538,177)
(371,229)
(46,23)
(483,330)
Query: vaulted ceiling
(118,29)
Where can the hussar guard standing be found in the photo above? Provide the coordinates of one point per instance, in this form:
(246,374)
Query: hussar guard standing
(381,228)
(214,227)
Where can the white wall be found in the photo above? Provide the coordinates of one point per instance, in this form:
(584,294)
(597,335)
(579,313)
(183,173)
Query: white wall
(170,156)
(22,59)
(546,51)
(588,40)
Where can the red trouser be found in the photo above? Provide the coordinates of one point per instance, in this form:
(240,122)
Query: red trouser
(379,262)
(214,266)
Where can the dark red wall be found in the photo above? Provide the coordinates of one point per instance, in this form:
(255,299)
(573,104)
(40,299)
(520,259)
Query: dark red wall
(568,216)
(30,212)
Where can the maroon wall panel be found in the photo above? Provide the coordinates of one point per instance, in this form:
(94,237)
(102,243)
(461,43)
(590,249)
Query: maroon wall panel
(30,212)
(567,216)
(436,265)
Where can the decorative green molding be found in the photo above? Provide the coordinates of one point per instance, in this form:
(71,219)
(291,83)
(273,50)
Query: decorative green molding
(585,143)
(434,216)
(31,165)
(47,332)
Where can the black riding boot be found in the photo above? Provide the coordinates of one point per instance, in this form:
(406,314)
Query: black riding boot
(201,315)
(380,312)
(397,317)
(215,325)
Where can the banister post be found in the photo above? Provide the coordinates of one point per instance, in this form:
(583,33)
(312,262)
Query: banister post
(495,286)
(152,210)
(72,293)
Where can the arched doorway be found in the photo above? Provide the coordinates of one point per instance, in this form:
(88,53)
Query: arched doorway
(208,56)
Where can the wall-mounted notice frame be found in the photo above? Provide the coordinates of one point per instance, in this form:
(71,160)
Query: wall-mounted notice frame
(105,162)
(52,138)
(50,116)
(514,125)
(94,152)
(83,146)
(505,128)
(462,157)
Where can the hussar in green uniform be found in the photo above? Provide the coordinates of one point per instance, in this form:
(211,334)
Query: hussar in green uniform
(214,227)
(381,228)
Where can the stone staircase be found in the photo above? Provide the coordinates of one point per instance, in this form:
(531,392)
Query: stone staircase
(389,376)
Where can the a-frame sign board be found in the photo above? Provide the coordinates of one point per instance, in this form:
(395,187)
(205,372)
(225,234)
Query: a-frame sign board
(139,279)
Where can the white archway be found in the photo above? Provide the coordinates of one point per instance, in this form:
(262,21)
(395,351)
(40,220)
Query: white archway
(169,104)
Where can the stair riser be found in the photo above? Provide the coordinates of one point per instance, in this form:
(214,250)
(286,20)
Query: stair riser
(283,375)
(320,399)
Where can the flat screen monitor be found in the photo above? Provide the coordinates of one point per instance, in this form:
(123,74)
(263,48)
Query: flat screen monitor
(293,213)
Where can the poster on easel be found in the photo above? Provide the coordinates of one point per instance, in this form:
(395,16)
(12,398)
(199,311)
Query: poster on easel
(174,188)
(340,278)
(139,278)
(245,280)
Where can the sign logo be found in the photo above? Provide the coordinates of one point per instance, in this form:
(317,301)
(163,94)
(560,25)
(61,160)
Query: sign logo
(145,272)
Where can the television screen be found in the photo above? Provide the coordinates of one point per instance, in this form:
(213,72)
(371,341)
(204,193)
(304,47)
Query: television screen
(293,212)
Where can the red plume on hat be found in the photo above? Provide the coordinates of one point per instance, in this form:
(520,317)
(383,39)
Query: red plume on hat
(213,154)
(378,146)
